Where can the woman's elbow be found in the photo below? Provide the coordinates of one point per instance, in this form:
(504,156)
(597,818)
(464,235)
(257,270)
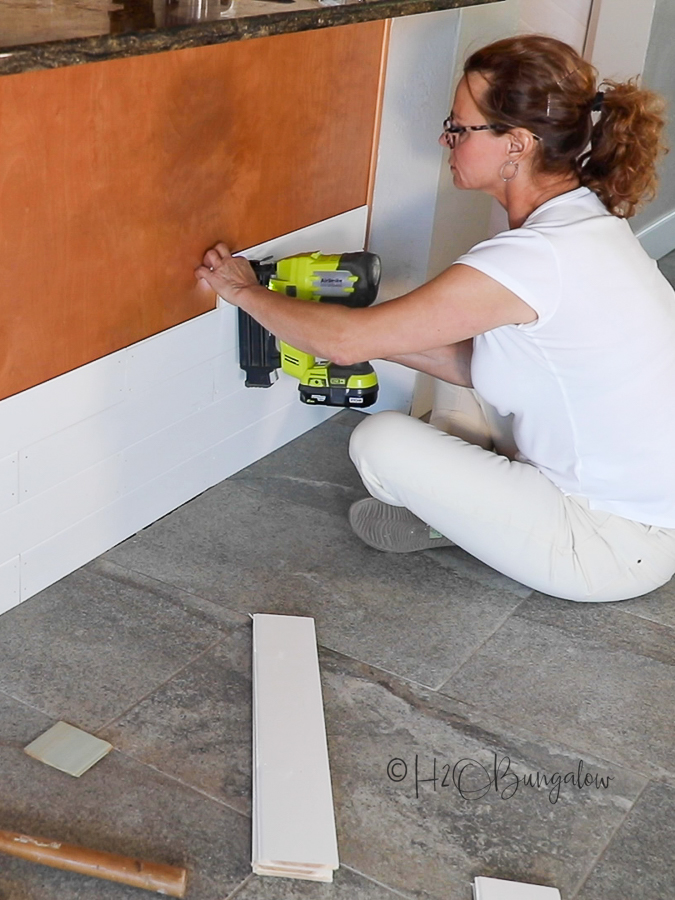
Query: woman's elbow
(347,355)
(346,345)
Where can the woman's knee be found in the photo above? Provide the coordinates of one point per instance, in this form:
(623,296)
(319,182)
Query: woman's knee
(375,434)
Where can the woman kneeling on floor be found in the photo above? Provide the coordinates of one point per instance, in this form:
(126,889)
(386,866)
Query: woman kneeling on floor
(550,453)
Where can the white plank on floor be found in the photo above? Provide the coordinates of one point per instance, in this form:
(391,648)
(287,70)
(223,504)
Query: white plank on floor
(293,819)
(499,889)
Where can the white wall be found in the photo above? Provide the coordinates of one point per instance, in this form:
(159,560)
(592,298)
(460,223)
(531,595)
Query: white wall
(634,37)
(460,218)
(566,20)
(655,225)
(420,67)
(618,36)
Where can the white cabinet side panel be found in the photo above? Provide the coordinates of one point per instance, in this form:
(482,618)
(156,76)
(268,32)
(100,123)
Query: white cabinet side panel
(415,102)
(566,20)
(618,37)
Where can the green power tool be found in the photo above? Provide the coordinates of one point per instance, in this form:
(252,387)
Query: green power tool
(350,279)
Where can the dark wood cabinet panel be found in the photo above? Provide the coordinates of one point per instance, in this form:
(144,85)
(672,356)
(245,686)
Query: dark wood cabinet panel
(115,177)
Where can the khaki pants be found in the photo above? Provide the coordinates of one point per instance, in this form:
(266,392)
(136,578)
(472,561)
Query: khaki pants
(505,512)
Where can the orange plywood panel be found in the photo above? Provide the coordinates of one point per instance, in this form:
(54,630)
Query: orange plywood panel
(116,176)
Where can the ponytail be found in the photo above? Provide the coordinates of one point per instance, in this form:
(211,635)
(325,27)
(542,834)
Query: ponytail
(542,84)
(626,145)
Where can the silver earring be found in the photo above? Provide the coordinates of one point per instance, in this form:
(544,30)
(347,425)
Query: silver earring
(515,170)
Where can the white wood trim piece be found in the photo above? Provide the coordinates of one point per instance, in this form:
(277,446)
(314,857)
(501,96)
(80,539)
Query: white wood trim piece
(293,818)
(498,889)
(659,237)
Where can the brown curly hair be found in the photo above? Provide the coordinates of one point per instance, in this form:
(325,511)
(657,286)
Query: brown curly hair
(542,84)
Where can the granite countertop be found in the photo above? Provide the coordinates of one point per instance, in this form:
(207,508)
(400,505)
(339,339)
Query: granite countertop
(48,34)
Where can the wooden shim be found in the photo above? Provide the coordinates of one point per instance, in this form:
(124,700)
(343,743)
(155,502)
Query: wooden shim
(293,819)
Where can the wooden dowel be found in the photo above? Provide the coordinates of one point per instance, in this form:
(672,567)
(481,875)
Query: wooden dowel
(164,879)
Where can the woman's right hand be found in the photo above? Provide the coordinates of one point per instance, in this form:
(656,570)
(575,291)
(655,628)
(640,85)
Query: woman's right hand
(227,275)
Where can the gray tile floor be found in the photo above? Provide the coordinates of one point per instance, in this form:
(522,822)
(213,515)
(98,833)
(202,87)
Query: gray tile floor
(474,726)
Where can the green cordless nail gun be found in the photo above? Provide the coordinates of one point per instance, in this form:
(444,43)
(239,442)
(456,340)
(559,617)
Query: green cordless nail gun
(351,279)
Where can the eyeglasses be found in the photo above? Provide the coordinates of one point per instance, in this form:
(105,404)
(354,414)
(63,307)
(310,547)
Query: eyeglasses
(451,132)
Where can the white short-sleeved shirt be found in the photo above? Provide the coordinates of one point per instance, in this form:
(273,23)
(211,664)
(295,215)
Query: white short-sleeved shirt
(591,382)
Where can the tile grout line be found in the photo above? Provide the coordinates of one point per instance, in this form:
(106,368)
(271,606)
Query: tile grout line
(162,684)
(643,618)
(239,887)
(584,878)
(405,677)
(480,646)
(542,739)
(371,665)
(168,584)
(381,884)
(190,787)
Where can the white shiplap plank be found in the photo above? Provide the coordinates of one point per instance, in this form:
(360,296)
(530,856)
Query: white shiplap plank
(9,584)
(46,408)
(62,455)
(9,481)
(265,436)
(39,518)
(176,350)
(499,889)
(206,428)
(229,376)
(88,537)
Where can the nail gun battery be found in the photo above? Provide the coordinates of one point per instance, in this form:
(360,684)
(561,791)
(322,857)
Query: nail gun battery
(333,385)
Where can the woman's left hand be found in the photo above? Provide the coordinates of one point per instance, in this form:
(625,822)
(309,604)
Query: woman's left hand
(228,275)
